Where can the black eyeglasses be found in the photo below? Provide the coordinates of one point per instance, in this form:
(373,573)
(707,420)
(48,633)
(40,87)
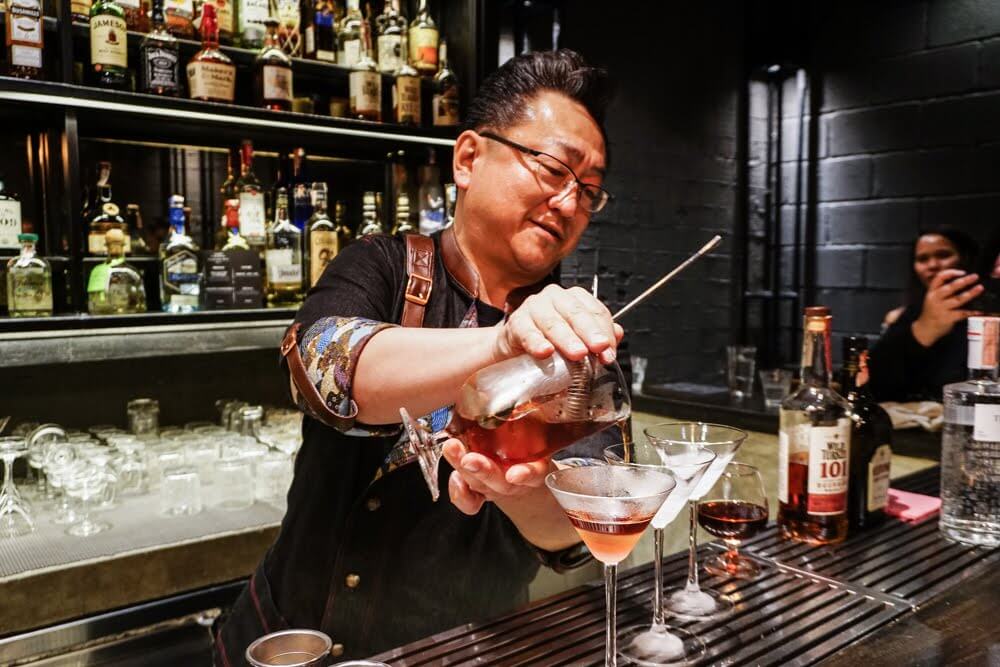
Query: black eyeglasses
(558,176)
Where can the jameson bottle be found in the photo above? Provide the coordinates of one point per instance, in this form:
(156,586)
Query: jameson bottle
(159,58)
(814,442)
(109,46)
(871,440)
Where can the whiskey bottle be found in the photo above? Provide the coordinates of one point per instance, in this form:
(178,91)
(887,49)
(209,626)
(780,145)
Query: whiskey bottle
(370,222)
(80,10)
(390,29)
(251,198)
(211,74)
(108,217)
(29,281)
(970,442)
(404,224)
(180,264)
(224,18)
(365,83)
(159,58)
(289,17)
(301,190)
(324,239)
(445,102)
(251,16)
(136,14)
(406,94)
(320,34)
(109,46)
(24,38)
(283,257)
(10,218)
(273,73)
(424,41)
(871,440)
(814,445)
(180,18)
(349,36)
(114,287)
(136,230)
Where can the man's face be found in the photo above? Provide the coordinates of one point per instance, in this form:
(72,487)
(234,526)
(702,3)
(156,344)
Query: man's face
(534,226)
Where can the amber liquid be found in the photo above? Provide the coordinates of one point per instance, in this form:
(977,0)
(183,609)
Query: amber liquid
(732,519)
(611,541)
(522,440)
(796,522)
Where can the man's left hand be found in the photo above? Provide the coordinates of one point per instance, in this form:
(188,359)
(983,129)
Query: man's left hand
(477,479)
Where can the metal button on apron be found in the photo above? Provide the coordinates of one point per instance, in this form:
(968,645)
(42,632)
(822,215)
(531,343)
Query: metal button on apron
(337,650)
(352,581)
(373,504)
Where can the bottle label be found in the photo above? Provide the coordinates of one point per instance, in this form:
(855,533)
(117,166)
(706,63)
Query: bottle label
(182,278)
(31,289)
(25,56)
(389,57)
(251,214)
(326,56)
(828,468)
(986,422)
(366,91)
(98,245)
(431,220)
(25,21)
(10,223)
(161,68)
(350,52)
(80,7)
(252,15)
(984,346)
(282,268)
(445,106)
(130,4)
(322,248)
(179,12)
(878,478)
(208,80)
(277,83)
(108,43)
(406,99)
(424,48)
(224,15)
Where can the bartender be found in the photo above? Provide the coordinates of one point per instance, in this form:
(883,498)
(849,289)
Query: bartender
(363,553)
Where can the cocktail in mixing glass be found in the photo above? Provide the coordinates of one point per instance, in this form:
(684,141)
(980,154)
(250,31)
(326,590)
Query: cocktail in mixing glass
(525,409)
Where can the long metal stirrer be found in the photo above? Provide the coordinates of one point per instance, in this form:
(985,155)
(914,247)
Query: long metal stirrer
(665,279)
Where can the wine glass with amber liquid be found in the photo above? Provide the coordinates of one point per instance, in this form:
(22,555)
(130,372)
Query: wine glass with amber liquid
(524,409)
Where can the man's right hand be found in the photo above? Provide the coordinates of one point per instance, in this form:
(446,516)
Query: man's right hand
(570,320)
(947,293)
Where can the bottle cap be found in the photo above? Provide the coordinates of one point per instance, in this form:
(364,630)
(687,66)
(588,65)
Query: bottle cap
(984,342)
(817,319)
(27,238)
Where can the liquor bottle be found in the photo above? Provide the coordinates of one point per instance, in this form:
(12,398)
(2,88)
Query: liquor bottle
(108,217)
(231,225)
(349,37)
(370,222)
(250,16)
(814,445)
(403,224)
(114,287)
(224,18)
(80,10)
(444,104)
(159,58)
(320,34)
(136,230)
(180,18)
(273,73)
(424,41)
(180,264)
(211,74)
(450,202)
(136,14)
(10,218)
(365,83)
(251,197)
(302,207)
(283,257)
(406,94)
(24,38)
(109,46)
(29,281)
(289,16)
(871,440)
(970,479)
(430,197)
(390,29)
(227,192)
(323,238)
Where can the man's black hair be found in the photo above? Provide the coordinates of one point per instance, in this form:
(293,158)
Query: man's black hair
(501,99)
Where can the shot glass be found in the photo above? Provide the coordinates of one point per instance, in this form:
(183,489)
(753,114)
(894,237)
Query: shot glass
(776,383)
(144,417)
(233,484)
(272,476)
(180,491)
(741,361)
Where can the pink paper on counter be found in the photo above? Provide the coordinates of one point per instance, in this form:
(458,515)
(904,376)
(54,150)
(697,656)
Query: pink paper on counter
(912,507)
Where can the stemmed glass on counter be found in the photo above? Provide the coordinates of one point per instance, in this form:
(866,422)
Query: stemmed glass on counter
(734,509)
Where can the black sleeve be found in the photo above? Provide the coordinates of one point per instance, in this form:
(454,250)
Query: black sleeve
(897,362)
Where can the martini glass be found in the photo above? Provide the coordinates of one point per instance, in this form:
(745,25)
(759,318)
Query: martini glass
(610,506)
(690,602)
(15,518)
(658,643)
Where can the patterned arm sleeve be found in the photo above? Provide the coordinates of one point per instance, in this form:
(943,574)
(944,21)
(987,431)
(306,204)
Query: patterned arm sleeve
(330,351)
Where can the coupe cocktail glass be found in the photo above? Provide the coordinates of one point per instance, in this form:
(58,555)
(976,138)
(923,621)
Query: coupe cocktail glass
(15,518)
(610,506)
(523,409)
(659,643)
(691,602)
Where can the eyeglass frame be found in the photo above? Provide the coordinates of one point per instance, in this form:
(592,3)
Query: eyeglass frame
(580,185)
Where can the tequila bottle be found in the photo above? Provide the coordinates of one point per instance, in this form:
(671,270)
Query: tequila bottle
(114,287)
(970,444)
(273,73)
(283,257)
(349,35)
(365,83)
(444,104)
(251,196)
(24,38)
(406,94)
(109,46)
(159,58)
(211,74)
(424,41)
(29,281)
(180,264)
(390,30)
(108,217)
(370,222)
(814,445)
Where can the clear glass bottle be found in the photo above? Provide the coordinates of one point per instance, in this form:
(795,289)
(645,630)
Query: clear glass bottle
(25,38)
(211,74)
(273,73)
(29,281)
(970,443)
(431,197)
(814,441)
(108,217)
(370,222)
(390,29)
(114,287)
(251,195)
(180,264)
(349,38)
(283,257)
(444,103)
(251,16)
(404,224)
(10,217)
(424,41)
(406,102)
(159,58)
(323,238)
(109,46)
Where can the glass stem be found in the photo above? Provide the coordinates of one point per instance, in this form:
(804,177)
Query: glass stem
(658,615)
(692,582)
(610,607)
(8,475)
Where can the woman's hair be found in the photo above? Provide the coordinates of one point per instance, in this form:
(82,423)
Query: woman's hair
(965,245)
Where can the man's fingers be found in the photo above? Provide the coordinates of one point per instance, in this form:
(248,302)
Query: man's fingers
(530,474)
(557,330)
(484,475)
(453,452)
(465,499)
(529,336)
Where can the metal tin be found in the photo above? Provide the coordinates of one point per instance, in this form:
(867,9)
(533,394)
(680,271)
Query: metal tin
(290,648)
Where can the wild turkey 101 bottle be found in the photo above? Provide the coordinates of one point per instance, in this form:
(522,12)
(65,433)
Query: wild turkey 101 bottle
(814,445)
